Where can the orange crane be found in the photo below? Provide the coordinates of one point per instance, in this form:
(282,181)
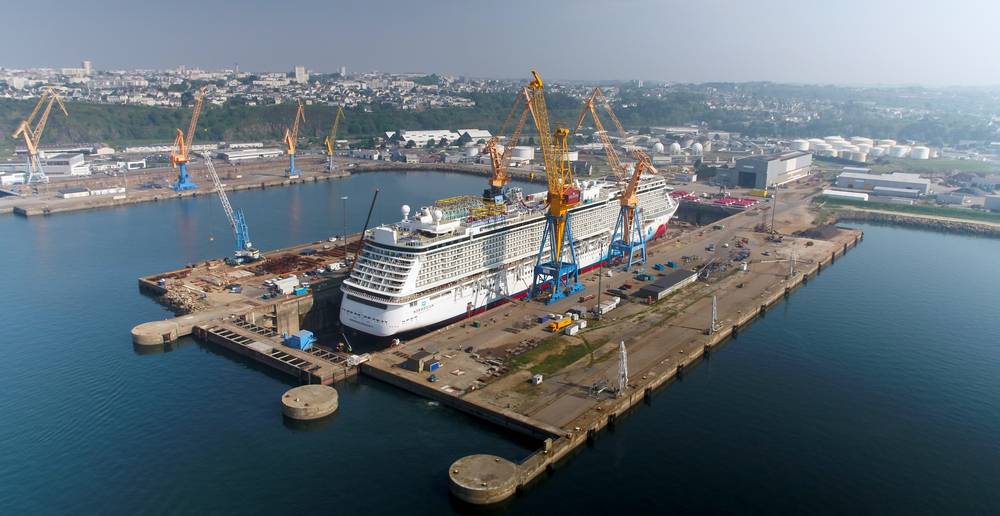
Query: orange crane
(628,236)
(181,152)
(292,138)
(501,161)
(619,169)
(331,139)
(557,269)
(33,135)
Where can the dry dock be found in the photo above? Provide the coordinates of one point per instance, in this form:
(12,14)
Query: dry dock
(486,365)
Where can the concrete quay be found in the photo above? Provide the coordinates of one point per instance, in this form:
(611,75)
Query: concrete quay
(663,340)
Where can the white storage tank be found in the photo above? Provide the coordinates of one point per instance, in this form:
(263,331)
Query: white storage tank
(658,148)
(857,140)
(899,151)
(523,152)
(820,147)
(472,151)
(697,149)
(876,152)
(813,142)
(920,152)
(832,139)
(864,147)
(675,148)
(886,142)
(799,145)
(829,153)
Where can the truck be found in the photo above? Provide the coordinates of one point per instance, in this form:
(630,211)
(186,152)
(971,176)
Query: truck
(555,326)
(660,267)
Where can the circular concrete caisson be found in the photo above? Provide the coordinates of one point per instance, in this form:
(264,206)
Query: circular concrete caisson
(483,479)
(309,402)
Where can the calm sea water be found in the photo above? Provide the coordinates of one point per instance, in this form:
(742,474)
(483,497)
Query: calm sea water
(876,388)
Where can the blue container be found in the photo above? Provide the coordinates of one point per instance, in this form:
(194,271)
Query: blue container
(434,366)
(302,339)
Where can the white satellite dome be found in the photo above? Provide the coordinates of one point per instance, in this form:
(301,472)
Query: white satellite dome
(675,148)
(437,215)
(697,149)
(658,148)
(405,209)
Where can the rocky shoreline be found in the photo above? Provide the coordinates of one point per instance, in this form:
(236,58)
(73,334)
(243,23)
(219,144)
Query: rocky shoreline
(945,225)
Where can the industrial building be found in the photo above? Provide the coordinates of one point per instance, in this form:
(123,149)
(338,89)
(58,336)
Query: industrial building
(992,202)
(952,198)
(420,138)
(247,154)
(668,284)
(475,134)
(66,165)
(860,181)
(763,171)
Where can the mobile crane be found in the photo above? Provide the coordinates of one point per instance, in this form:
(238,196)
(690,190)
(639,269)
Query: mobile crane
(182,147)
(245,251)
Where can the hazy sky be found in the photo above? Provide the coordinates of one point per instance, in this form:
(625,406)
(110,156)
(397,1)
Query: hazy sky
(846,41)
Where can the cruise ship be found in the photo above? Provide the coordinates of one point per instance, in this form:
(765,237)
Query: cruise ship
(464,255)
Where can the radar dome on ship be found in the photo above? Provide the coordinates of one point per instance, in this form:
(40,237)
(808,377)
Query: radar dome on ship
(437,215)
(405,209)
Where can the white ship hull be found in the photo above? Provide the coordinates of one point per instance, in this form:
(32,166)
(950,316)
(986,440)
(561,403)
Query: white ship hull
(483,289)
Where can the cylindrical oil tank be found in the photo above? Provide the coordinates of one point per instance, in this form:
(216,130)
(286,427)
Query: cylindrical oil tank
(523,152)
(658,148)
(856,140)
(876,152)
(920,152)
(697,149)
(883,141)
(799,145)
(675,148)
(899,151)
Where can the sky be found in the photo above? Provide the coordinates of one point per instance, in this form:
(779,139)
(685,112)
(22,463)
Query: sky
(873,42)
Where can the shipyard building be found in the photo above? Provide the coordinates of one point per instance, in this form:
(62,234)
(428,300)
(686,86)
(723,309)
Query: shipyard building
(897,183)
(767,170)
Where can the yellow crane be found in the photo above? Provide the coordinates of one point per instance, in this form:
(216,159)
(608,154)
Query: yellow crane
(619,169)
(331,139)
(628,236)
(31,131)
(292,138)
(557,269)
(501,161)
(181,152)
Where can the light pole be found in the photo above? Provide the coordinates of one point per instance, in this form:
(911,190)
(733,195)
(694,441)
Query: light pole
(344,198)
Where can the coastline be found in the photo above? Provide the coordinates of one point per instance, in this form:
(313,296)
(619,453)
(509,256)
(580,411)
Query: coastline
(916,221)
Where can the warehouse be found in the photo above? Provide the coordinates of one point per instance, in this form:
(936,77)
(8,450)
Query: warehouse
(768,170)
(246,154)
(858,181)
(992,203)
(66,164)
(668,284)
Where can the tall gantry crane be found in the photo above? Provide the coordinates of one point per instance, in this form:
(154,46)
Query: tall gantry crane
(628,236)
(292,138)
(331,139)
(31,130)
(245,251)
(182,147)
(501,161)
(614,161)
(560,263)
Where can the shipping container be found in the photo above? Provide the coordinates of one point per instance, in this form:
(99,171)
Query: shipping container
(555,326)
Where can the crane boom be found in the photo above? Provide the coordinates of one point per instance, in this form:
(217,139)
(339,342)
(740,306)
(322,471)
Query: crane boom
(331,139)
(500,162)
(614,161)
(245,250)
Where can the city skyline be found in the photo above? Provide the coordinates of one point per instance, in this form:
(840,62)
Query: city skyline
(850,43)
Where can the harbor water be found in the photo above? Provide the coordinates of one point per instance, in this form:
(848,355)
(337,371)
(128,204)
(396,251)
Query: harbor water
(875,388)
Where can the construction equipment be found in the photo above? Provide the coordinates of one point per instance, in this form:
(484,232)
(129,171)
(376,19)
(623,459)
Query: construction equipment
(292,138)
(33,135)
(182,147)
(561,264)
(619,169)
(245,251)
(628,235)
(500,162)
(331,139)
